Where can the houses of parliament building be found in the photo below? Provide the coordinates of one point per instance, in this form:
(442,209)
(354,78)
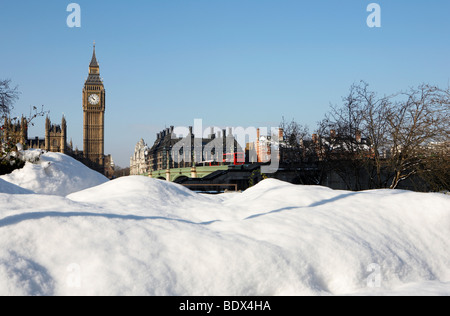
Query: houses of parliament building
(55,140)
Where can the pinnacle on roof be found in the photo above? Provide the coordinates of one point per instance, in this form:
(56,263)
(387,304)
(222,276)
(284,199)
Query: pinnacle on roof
(94,62)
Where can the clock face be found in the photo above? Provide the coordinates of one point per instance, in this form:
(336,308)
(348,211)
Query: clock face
(94,99)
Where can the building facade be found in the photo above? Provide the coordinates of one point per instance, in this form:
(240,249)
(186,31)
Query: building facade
(139,162)
(55,140)
(55,136)
(264,145)
(170,151)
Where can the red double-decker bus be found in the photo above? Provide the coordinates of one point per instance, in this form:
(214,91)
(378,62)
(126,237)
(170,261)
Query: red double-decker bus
(235,158)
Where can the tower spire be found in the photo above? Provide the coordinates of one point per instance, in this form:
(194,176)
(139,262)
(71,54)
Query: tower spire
(94,62)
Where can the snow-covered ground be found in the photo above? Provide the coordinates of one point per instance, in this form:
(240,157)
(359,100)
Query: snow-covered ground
(141,236)
(54,174)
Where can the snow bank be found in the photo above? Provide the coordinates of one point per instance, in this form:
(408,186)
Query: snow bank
(140,236)
(6,187)
(54,174)
(140,195)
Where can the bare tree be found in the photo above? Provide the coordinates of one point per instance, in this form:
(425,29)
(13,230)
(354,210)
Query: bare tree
(435,168)
(9,160)
(372,112)
(350,135)
(294,148)
(298,153)
(121,172)
(417,124)
(8,96)
(392,137)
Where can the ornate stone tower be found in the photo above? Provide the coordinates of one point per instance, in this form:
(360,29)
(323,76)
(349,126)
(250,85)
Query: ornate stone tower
(56,136)
(94,117)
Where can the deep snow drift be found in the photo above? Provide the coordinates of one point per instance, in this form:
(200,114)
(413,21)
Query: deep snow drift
(7,187)
(141,236)
(54,174)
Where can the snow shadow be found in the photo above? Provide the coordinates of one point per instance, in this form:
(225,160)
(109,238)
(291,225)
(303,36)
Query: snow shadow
(16,219)
(333,199)
(274,211)
(318,203)
(29,274)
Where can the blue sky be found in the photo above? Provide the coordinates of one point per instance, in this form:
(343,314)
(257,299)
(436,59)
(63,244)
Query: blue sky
(229,62)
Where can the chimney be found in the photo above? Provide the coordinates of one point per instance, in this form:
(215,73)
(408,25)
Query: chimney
(190,130)
(211,133)
(230,132)
(224,133)
(280,134)
(358,136)
(258,152)
(333,134)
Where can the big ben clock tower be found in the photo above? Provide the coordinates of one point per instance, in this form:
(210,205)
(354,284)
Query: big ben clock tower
(94,118)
